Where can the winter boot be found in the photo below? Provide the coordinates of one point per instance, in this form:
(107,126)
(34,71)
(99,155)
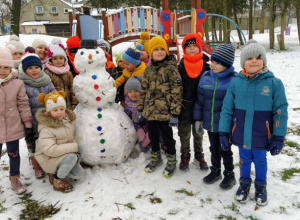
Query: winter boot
(185,159)
(261,193)
(38,171)
(155,162)
(62,185)
(229,180)
(16,185)
(243,190)
(215,174)
(200,161)
(171,165)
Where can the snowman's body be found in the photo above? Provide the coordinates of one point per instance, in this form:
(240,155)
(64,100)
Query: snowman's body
(105,133)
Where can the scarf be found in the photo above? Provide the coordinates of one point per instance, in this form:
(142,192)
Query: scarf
(193,64)
(254,75)
(6,78)
(43,79)
(58,70)
(71,59)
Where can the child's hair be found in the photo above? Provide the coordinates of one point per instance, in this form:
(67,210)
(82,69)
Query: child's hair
(15,41)
(133,55)
(30,59)
(155,42)
(224,55)
(253,49)
(56,50)
(103,44)
(144,40)
(192,39)
(52,100)
(6,57)
(133,83)
(38,42)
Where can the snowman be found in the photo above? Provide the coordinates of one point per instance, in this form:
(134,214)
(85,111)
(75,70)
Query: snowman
(105,133)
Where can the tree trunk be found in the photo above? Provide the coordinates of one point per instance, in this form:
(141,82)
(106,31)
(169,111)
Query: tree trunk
(262,18)
(298,20)
(236,21)
(250,19)
(271,22)
(225,30)
(283,24)
(15,16)
(206,31)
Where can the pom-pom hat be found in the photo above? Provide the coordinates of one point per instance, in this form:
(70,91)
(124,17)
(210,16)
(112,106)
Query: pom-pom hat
(133,55)
(15,41)
(133,83)
(155,42)
(253,49)
(6,57)
(52,100)
(144,40)
(30,59)
(224,55)
(56,50)
(38,42)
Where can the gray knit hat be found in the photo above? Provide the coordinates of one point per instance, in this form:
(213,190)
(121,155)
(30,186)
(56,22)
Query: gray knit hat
(253,49)
(133,83)
(224,54)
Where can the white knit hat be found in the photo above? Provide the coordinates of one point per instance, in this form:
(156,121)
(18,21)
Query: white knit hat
(56,50)
(38,42)
(6,57)
(14,40)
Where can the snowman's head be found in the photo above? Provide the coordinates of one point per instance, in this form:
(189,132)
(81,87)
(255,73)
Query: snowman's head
(89,59)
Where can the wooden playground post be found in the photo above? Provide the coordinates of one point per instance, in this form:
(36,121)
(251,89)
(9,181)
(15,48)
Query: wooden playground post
(165,5)
(198,4)
(104,22)
(78,30)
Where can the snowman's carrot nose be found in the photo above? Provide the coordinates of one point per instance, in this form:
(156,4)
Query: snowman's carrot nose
(90,56)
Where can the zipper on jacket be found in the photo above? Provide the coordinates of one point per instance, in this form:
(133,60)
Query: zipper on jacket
(234,126)
(213,106)
(278,113)
(268,128)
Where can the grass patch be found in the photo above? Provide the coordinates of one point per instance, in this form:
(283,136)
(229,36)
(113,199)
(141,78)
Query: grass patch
(288,152)
(128,205)
(155,200)
(297,205)
(3,152)
(288,173)
(296,109)
(227,217)
(292,144)
(184,191)
(173,212)
(233,207)
(252,217)
(2,208)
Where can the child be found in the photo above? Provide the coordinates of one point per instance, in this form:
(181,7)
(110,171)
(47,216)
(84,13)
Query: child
(15,115)
(17,51)
(255,111)
(59,71)
(191,67)
(36,81)
(132,89)
(160,103)
(211,92)
(56,148)
(119,70)
(41,49)
(73,44)
(109,65)
(144,40)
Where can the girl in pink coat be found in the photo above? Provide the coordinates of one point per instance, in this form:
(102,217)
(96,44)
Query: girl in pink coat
(15,114)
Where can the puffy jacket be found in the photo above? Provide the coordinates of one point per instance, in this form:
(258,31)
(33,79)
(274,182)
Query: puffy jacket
(254,110)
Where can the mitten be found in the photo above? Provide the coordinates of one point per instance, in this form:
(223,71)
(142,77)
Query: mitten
(224,141)
(173,122)
(199,127)
(276,145)
(29,135)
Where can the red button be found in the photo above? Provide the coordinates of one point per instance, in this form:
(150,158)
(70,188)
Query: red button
(98,98)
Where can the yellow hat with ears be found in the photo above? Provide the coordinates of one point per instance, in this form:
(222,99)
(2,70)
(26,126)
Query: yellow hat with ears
(144,40)
(52,100)
(155,42)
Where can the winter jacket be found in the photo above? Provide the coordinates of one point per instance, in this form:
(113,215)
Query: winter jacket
(14,110)
(210,95)
(254,110)
(132,112)
(56,139)
(126,74)
(190,86)
(161,93)
(64,82)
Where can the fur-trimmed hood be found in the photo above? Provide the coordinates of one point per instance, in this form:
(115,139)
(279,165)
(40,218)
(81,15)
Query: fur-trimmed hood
(46,119)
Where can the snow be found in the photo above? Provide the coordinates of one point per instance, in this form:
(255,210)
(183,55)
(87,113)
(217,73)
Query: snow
(105,189)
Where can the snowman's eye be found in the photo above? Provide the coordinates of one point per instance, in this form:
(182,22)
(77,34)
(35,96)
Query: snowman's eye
(97,51)
(81,53)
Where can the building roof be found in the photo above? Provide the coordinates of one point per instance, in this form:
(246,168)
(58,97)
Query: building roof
(34,23)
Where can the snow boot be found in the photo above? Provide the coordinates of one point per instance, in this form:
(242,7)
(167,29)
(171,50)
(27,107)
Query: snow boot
(171,165)
(155,162)
(243,190)
(16,185)
(199,159)
(38,171)
(62,185)
(261,192)
(185,159)
(215,174)
(229,180)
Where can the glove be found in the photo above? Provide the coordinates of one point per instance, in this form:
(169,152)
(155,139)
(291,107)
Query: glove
(141,119)
(224,141)
(199,127)
(276,145)
(173,122)
(29,135)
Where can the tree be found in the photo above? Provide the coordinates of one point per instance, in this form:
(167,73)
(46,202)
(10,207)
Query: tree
(250,19)
(15,16)
(262,17)
(271,22)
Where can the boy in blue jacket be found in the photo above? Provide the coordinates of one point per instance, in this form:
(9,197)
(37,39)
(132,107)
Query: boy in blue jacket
(211,92)
(255,113)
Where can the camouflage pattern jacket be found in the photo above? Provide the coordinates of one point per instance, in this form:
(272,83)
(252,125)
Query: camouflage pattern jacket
(161,93)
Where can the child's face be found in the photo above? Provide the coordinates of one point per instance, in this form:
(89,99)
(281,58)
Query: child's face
(41,51)
(216,67)
(121,64)
(159,54)
(192,49)
(133,95)
(17,56)
(129,66)
(58,112)
(58,61)
(34,72)
(4,71)
(144,55)
(253,65)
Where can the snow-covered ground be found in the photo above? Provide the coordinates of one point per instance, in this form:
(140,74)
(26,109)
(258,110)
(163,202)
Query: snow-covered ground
(105,190)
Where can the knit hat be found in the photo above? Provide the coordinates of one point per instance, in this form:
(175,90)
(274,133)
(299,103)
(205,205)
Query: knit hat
(38,42)
(118,57)
(6,57)
(192,39)
(29,49)
(73,43)
(30,59)
(144,40)
(103,44)
(14,40)
(224,55)
(133,55)
(253,49)
(52,100)
(155,42)
(56,50)
(88,44)
(133,83)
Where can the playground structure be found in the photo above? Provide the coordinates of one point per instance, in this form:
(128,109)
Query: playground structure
(127,24)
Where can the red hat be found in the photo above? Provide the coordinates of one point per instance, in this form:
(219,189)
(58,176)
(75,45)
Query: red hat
(73,42)
(192,39)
